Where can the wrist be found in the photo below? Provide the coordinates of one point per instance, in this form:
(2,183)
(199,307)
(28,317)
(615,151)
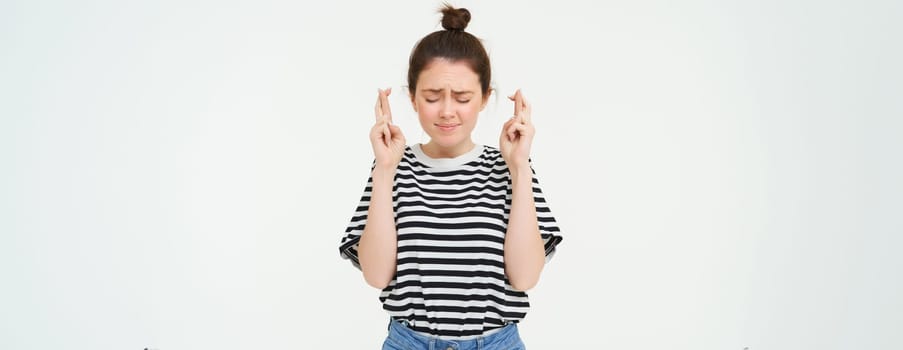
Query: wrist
(521,172)
(383,173)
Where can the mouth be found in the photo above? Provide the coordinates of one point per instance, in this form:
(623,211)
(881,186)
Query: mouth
(447,127)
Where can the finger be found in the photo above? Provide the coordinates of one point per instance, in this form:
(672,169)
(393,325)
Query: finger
(380,114)
(376,132)
(526,111)
(511,131)
(512,96)
(507,124)
(377,110)
(521,131)
(384,102)
(517,102)
(387,135)
(396,132)
(505,136)
(509,121)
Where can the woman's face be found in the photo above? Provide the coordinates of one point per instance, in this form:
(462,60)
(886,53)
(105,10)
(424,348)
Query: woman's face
(447,100)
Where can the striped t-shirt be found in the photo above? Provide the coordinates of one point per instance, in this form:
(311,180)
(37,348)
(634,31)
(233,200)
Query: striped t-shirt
(451,215)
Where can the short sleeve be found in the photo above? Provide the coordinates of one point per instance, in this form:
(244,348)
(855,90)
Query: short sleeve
(548,226)
(349,243)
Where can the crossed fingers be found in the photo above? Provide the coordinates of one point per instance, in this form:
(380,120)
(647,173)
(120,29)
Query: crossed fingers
(382,110)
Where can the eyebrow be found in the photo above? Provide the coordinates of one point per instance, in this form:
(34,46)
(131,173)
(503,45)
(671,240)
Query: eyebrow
(440,90)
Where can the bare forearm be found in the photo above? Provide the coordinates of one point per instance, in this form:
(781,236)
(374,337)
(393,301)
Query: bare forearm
(524,253)
(378,245)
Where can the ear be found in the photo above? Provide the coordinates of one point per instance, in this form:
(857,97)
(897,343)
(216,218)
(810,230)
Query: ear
(413,104)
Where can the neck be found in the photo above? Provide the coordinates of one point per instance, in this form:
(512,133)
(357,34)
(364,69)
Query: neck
(434,150)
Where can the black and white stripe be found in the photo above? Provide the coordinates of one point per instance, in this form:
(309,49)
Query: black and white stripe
(451,221)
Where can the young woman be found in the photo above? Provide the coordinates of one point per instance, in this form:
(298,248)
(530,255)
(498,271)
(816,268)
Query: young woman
(452,232)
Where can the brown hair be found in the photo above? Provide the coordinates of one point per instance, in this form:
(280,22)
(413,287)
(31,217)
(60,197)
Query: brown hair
(453,44)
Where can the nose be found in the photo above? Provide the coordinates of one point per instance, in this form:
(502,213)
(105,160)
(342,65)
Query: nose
(447,109)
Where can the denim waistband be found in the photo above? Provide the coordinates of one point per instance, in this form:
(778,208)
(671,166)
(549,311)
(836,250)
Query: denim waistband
(499,338)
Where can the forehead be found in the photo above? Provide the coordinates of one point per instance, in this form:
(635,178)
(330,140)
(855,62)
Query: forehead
(443,74)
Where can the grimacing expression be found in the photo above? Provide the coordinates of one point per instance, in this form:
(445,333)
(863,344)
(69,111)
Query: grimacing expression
(448,100)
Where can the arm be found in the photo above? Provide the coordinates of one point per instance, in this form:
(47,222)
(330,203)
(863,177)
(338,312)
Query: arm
(524,250)
(379,242)
(378,245)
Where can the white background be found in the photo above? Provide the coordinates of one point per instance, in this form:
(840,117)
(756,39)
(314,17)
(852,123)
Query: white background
(178,174)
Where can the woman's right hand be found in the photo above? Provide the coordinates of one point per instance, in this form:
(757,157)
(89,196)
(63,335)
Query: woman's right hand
(386,138)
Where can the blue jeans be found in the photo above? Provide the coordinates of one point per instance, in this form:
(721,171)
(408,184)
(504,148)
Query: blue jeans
(403,338)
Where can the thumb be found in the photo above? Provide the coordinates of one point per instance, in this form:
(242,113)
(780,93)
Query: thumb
(396,132)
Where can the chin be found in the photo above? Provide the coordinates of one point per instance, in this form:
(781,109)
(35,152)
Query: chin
(447,141)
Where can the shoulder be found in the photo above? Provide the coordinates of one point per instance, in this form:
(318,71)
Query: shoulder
(409,158)
(491,149)
(491,155)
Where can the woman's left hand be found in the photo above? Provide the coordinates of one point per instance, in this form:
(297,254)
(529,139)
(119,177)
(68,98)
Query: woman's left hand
(517,134)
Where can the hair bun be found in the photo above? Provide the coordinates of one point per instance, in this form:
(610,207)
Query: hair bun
(454,19)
